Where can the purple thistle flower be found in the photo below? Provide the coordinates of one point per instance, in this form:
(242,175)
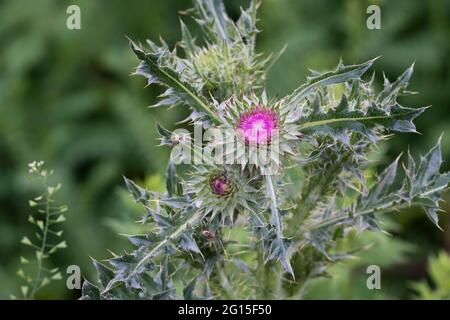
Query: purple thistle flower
(258,125)
(221,185)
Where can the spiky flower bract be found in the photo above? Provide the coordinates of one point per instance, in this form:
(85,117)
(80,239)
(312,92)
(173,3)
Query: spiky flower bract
(266,132)
(221,194)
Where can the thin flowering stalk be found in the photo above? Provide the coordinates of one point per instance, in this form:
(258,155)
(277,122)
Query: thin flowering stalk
(46,242)
(41,252)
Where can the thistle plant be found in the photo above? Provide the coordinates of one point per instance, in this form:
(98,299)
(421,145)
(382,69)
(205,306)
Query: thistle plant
(36,272)
(277,182)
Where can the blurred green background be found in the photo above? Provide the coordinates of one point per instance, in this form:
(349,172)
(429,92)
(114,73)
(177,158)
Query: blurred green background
(66,97)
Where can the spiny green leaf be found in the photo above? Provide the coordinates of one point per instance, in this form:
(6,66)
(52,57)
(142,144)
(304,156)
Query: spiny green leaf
(188,291)
(340,75)
(429,166)
(278,251)
(188,42)
(188,243)
(382,187)
(172,80)
(391,90)
(161,221)
(172,184)
(398,118)
(139,194)
(212,12)
(144,240)
(423,190)
(105,275)
(165,135)
(89,291)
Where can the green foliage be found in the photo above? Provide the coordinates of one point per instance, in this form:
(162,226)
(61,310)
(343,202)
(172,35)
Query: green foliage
(422,188)
(347,279)
(67,98)
(48,239)
(286,237)
(439,273)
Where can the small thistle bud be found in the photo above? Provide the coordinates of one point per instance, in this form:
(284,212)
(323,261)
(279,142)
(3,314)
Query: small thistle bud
(258,125)
(221,185)
(209,236)
(176,139)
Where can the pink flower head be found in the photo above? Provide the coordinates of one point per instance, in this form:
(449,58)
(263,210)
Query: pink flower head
(258,125)
(220,185)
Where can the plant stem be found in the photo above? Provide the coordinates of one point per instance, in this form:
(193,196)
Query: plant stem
(191,222)
(40,257)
